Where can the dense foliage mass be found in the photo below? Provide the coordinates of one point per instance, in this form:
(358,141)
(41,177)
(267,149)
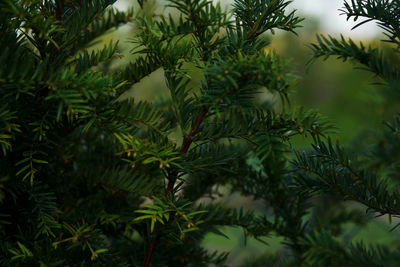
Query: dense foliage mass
(92,180)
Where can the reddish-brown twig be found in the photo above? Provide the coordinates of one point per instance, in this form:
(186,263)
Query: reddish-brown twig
(187,141)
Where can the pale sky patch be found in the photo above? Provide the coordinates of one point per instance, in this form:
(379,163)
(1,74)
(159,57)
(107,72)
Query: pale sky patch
(331,22)
(326,11)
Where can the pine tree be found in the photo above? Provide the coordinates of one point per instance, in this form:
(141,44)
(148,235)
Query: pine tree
(92,180)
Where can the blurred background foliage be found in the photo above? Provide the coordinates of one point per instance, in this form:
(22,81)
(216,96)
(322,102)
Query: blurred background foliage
(350,97)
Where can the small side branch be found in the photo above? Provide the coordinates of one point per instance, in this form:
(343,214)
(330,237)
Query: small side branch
(191,136)
(151,249)
(187,141)
(60,9)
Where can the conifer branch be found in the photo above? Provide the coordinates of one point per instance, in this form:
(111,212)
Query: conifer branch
(188,140)
(151,249)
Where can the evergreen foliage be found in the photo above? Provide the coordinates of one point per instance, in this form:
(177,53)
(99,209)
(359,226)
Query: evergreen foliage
(367,171)
(92,180)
